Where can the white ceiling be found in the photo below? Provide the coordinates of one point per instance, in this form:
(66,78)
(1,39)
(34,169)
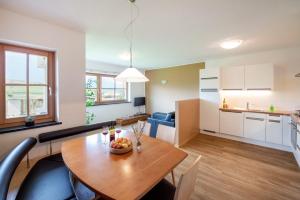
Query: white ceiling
(172,32)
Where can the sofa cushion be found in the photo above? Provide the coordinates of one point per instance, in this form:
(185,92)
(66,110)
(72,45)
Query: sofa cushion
(47,180)
(168,117)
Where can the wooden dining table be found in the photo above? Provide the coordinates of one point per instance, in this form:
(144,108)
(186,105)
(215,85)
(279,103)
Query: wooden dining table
(124,177)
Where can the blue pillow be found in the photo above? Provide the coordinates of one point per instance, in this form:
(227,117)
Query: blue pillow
(168,117)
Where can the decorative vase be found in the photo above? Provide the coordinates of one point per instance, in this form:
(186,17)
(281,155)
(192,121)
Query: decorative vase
(138,131)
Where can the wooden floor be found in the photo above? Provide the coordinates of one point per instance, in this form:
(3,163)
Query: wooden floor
(235,170)
(232,170)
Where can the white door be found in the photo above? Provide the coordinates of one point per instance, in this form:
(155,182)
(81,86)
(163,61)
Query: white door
(209,111)
(259,77)
(233,78)
(274,129)
(231,123)
(255,126)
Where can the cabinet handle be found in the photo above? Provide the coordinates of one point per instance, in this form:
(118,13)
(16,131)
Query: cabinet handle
(254,118)
(274,115)
(209,131)
(231,111)
(259,89)
(209,78)
(233,89)
(209,90)
(275,121)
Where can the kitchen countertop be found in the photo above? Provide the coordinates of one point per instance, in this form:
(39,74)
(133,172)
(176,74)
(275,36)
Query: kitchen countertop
(277,112)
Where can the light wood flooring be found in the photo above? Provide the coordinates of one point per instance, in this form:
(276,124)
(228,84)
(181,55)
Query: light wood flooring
(236,170)
(231,170)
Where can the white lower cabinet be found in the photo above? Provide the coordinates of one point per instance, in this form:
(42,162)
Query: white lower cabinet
(286,130)
(255,126)
(231,123)
(274,129)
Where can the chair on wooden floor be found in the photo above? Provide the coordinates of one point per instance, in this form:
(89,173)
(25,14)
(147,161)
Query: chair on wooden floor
(164,190)
(166,133)
(146,128)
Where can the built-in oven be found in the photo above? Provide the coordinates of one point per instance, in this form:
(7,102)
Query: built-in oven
(294,134)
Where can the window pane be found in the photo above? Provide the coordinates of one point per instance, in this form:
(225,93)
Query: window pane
(38,66)
(91,96)
(108,82)
(91,81)
(120,94)
(15,67)
(16,101)
(120,84)
(38,98)
(108,94)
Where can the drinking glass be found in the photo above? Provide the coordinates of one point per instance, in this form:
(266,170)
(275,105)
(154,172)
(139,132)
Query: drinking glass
(105,133)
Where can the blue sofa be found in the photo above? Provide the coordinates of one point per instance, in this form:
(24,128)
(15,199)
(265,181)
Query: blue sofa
(167,119)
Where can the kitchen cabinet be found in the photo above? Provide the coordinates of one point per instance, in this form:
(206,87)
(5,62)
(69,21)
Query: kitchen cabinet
(210,73)
(233,78)
(274,129)
(209,79)
(209,111)
(231,123)
(286,130)
(259,77)
(209,99)
(255,126)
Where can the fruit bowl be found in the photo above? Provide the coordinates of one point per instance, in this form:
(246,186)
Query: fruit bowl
(120,146)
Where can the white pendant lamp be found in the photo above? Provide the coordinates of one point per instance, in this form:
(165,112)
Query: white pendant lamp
(131,74)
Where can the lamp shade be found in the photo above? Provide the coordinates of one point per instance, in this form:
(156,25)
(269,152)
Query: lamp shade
(131,75)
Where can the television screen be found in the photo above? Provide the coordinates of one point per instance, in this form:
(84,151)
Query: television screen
(139,101)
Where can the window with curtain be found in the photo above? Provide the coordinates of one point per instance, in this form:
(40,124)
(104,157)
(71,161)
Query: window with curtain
(27,85)
(104,89)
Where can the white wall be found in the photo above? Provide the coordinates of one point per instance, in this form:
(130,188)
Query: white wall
(111,112)
(286,95)
(70,51)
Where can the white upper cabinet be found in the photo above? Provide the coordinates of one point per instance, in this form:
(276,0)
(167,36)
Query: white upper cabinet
(259,77)
(209,73)
(209,79)
(233,78)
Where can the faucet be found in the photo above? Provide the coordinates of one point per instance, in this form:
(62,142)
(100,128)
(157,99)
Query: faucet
(248,105)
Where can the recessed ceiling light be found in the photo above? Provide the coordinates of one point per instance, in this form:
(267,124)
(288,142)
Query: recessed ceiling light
(125,56)
(231,44)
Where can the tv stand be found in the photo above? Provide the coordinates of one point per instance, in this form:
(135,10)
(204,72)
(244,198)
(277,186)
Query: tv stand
(132,119)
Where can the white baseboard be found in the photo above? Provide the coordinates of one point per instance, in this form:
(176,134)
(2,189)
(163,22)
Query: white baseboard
(250,141)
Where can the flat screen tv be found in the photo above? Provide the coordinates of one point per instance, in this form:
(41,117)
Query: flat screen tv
(139,101)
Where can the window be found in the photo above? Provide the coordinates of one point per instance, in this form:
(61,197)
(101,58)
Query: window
(104,89)
(27,85)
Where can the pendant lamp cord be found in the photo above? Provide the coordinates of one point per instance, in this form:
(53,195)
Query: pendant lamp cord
(130,25)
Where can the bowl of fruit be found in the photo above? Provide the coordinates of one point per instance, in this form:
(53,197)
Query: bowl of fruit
(120,146)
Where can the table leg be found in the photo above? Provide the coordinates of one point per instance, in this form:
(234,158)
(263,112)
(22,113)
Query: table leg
(173,178)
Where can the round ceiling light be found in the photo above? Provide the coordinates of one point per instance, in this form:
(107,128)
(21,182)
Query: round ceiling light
(231,44)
